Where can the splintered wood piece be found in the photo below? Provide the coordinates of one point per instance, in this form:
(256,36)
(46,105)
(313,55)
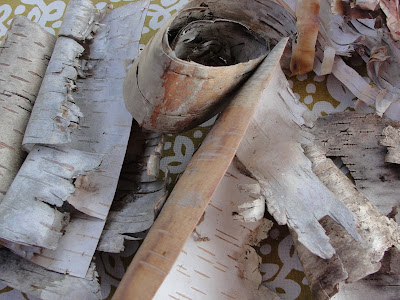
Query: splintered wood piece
(140,191)
(39,282)
(24,55)
(219,260)
(271,151)
(83,155)
(355,139)
(189,69)
(392,141)
(353,259)
(192,193)
(303,48)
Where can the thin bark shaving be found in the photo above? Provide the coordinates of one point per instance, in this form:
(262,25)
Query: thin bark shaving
(355,139)
(392,141)
(24,55)
(140,192)
(223,262)
(294,195)
(303,49)
(83,127)
(187,72)
(39,282)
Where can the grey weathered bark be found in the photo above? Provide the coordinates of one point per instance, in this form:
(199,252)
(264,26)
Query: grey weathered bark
(355,139)
(353,259)
(24,55)
(140,191)
(294,195)
(37,281)
(392,141)
(80,127)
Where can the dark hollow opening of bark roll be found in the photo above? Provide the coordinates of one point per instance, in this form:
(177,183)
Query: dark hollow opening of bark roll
(218,43)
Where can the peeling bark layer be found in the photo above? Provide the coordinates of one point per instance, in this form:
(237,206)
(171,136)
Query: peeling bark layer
(294,195)
(39,282)
(355,139)
(24,55)
(186,73)
(353,259)
(80,128)
(140,192)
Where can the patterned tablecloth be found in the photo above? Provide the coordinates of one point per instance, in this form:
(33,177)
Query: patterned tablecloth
(281,268)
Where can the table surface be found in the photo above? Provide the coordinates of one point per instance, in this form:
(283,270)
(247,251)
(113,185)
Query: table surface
(281,268)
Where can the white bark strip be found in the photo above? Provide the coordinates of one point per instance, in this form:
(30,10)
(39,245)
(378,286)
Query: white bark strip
(392,142)
(99,140)
(354,259)
(218,260)
(271,151)
(39,282)
(355,139)
(24,55)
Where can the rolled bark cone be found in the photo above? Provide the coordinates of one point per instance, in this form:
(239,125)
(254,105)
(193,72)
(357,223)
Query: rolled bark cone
(196,60)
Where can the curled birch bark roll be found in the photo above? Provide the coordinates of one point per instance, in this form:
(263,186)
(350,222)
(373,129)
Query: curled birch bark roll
(195,60)
(24,56)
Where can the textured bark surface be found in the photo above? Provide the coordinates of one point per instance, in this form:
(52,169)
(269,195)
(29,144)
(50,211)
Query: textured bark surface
(392,141)
(192,193)
(140,191)
(24,55)
(187,72)
(294,195)
(78,136)
(353,259)
(39,282)
(218,261)
(355,139)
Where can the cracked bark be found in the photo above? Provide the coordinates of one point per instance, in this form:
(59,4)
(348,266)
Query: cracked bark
(29,48)
(77,138)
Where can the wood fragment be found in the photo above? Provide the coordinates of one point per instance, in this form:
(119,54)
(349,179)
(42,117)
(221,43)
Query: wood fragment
(188,200)
(303,48)
(294,195)
(392,141)
(24,55)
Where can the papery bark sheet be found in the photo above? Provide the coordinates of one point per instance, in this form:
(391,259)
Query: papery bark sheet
(219,260)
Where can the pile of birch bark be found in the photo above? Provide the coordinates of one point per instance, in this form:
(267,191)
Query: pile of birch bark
(78,174)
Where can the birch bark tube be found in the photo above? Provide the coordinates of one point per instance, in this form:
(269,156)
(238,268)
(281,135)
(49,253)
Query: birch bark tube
(187,202)
(24,56)
(188,70)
